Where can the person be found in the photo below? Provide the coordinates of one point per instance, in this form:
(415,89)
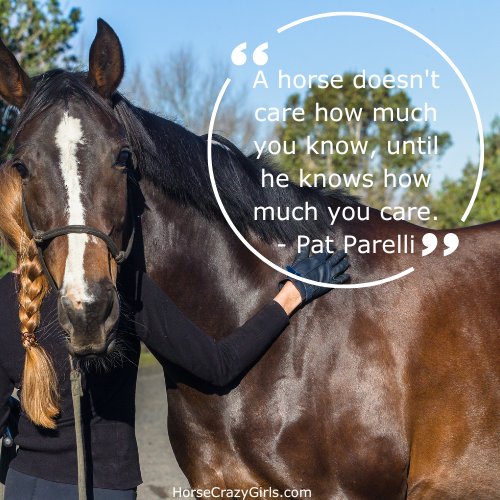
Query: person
(46,465)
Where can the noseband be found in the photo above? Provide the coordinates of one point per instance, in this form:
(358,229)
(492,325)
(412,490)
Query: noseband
(43,238)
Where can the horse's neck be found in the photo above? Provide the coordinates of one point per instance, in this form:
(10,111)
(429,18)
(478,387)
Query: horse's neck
(208,272)
(202,266)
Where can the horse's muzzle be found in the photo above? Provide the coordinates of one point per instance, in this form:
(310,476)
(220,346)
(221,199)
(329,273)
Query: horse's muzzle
(89,324)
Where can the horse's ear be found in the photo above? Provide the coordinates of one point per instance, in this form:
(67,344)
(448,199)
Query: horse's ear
(106,63)
(14,82)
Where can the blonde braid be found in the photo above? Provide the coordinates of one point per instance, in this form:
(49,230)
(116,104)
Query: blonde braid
(40,396)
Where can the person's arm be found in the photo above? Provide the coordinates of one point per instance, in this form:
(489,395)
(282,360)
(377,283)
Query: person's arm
(168,333)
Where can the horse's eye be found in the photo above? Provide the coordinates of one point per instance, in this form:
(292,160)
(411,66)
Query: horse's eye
(123,159)
(22,169)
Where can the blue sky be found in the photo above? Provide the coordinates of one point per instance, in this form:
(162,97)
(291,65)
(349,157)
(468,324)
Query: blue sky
(466,31)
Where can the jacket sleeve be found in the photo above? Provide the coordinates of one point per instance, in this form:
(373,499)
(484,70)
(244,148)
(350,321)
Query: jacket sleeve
(166,331)
(6,388)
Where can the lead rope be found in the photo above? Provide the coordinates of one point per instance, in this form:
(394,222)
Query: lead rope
(77,394)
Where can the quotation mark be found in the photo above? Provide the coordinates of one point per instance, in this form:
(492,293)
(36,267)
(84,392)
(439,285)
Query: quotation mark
(239,58)
(430,242)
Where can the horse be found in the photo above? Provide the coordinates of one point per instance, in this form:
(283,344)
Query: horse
(375,392)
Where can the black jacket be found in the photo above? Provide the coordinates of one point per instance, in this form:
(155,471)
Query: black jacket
(109,401)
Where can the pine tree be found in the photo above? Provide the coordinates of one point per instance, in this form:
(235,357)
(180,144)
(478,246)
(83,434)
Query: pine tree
(453,197)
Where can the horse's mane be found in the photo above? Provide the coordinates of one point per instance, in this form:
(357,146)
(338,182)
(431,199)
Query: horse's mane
(176,160)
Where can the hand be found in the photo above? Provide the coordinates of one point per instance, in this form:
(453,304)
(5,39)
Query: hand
(323,267)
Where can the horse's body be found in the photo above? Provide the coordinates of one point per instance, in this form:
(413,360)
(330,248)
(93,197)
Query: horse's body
(370,393)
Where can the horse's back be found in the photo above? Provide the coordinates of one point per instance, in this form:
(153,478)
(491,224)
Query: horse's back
(453,374)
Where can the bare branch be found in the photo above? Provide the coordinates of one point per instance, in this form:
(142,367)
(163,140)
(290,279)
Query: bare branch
(183,88)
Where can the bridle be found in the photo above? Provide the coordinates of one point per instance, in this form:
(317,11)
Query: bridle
(43,238)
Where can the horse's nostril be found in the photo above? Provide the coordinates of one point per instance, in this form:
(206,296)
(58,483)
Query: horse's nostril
(111,346)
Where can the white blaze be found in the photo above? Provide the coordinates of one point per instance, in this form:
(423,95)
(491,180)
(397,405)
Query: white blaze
(68,136)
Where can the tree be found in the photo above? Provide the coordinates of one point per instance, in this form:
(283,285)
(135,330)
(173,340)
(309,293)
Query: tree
(38,33)
(7,262)
(186,90)
(452,199)
(360,128)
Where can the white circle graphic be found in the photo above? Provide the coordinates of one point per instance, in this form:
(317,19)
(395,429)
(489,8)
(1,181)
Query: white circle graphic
(345,14)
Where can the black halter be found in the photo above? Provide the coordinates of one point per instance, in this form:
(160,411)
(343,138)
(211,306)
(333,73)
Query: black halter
(42,238)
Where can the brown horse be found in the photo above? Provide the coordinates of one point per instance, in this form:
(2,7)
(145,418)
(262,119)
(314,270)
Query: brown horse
(380,392)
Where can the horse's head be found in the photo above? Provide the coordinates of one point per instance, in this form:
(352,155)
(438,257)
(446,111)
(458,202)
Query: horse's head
(73,155)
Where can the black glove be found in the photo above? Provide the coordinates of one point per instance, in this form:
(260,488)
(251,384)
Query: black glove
(324,267)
